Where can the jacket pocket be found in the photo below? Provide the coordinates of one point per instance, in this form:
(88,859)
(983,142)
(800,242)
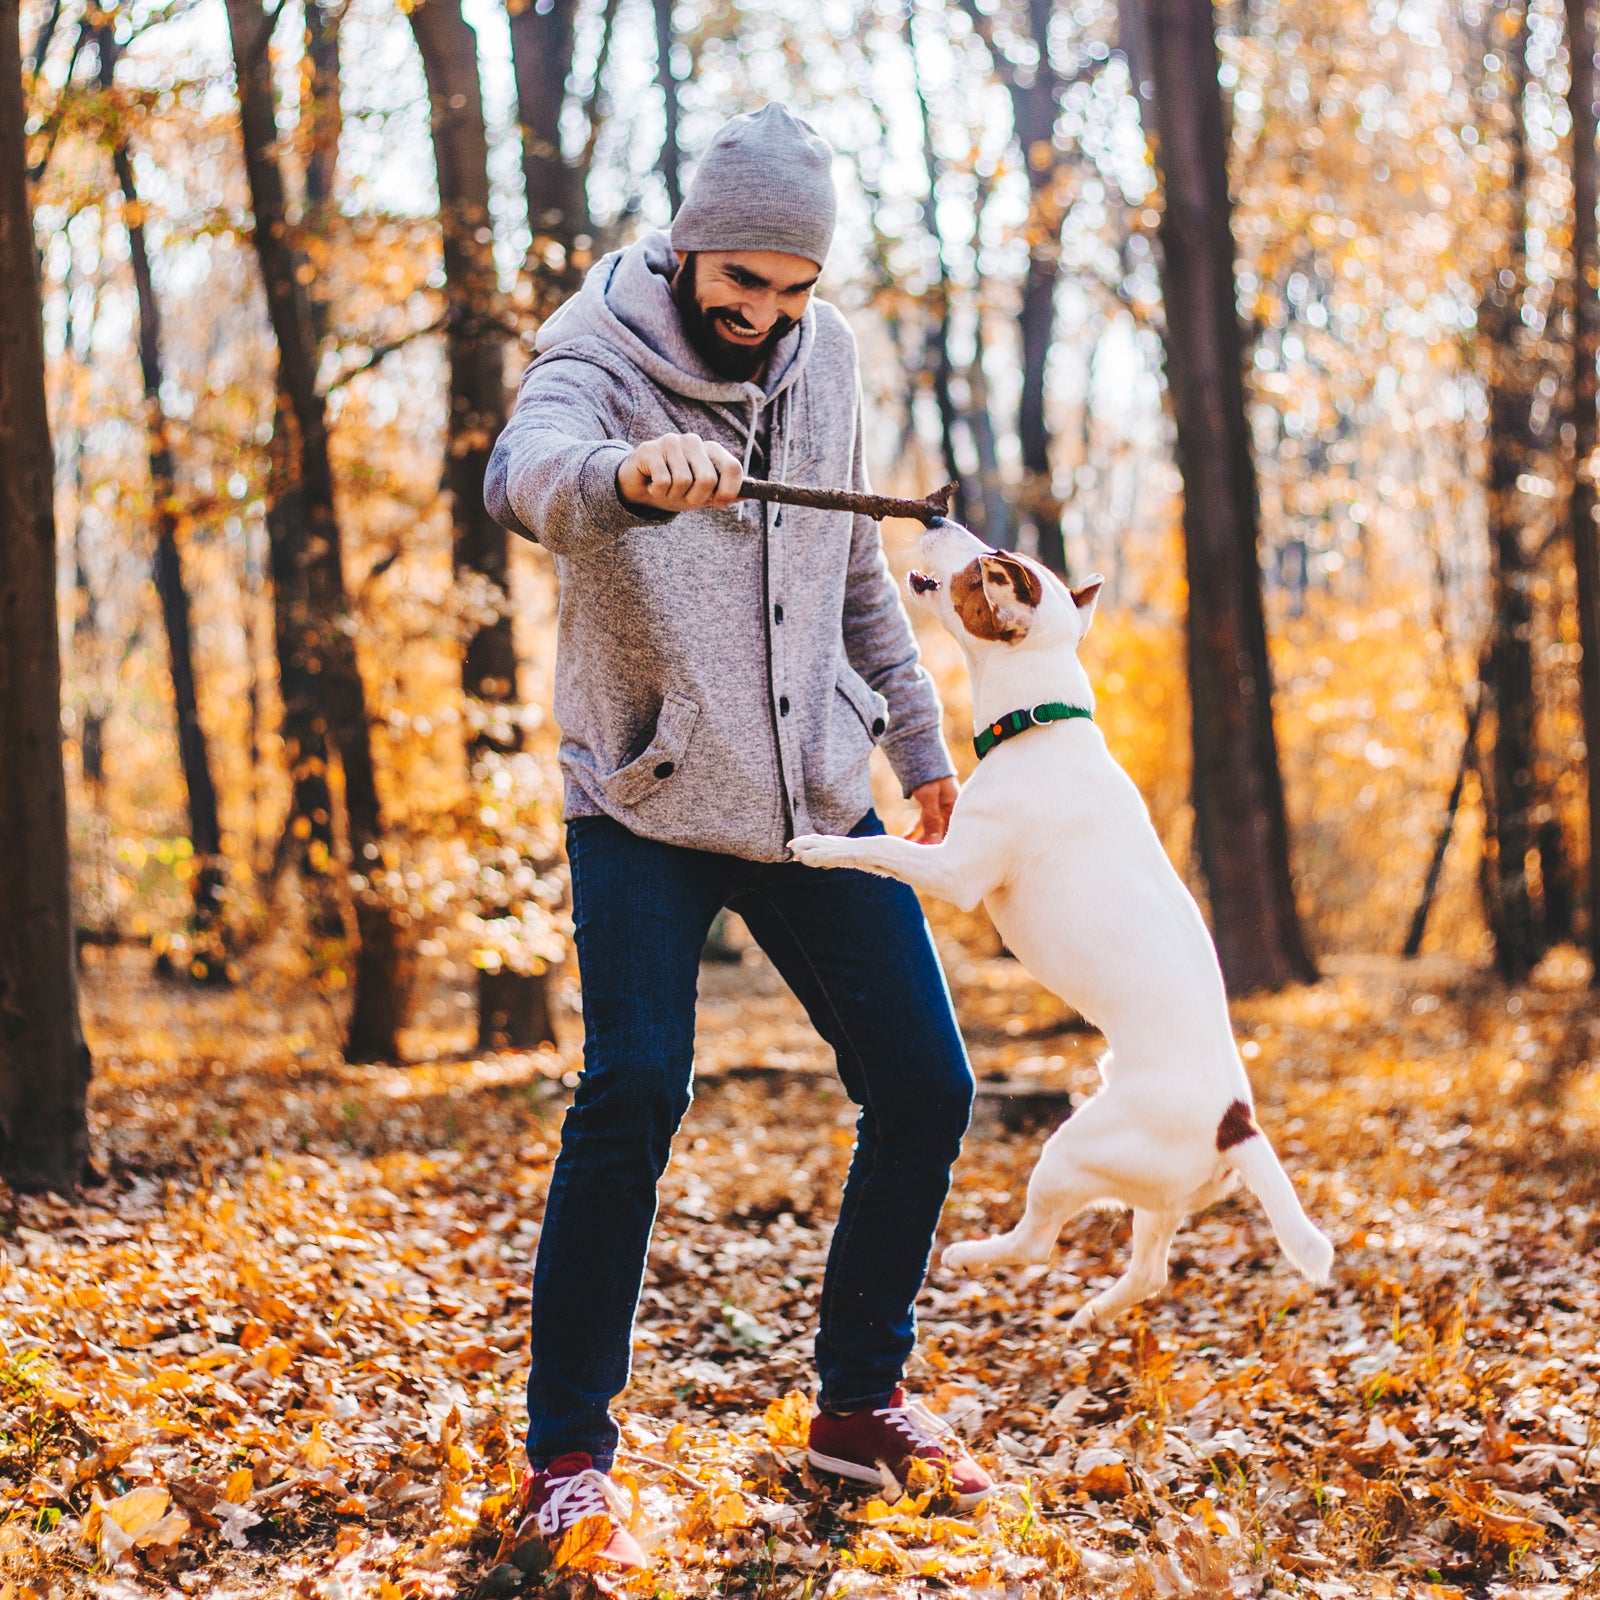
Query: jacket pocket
(864,700)
(630,784)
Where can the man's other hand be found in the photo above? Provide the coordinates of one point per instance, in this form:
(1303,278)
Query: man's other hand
(679,472)
(936,800)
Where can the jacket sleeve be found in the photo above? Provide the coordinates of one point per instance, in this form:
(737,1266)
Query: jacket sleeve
(881,647)
(552,476)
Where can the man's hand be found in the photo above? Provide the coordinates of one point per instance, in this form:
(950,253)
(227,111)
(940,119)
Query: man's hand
(679,472)
(937,800)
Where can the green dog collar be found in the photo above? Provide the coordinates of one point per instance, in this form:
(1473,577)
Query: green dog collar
(1015,722)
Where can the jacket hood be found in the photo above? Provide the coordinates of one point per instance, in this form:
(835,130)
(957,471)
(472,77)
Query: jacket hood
(626,302)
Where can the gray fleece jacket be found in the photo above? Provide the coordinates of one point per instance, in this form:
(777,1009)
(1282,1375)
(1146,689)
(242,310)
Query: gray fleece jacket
(721,675)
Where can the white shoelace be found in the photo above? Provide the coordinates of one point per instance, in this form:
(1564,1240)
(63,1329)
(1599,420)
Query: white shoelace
(585,1494)
(917,1423)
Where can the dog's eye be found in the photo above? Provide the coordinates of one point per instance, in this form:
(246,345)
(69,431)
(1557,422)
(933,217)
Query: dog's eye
(921,583)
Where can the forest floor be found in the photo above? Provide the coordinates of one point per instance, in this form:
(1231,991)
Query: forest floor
(280,1351)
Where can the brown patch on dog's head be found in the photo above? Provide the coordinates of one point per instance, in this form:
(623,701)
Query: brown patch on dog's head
(995,596)
(1238,1124)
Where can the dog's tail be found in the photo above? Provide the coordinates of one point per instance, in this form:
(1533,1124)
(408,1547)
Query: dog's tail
(1247,1151)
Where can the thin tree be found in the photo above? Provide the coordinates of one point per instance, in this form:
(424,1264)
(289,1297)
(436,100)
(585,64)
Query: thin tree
(670,160)
(307,554)
(321,124)
(542,41)
(44,1062)
(513,1007)
(1583,506)
(1238,790)
(1509,791)
(206,960)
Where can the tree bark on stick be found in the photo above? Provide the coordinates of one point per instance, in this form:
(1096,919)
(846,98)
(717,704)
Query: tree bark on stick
(513,1007)
(1510,790)
(206,959)
(1238,791)
(44,1062)
(1585,396)
(324,628)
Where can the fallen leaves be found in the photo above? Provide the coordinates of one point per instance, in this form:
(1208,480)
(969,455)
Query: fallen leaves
(314,1358)
(140,1519)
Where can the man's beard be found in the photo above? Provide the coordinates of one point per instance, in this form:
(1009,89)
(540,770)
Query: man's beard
(738,363)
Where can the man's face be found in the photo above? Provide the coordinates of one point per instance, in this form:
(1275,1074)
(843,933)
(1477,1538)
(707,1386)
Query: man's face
(737,304)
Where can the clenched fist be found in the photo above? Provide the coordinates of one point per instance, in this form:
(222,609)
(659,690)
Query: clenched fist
(679,472)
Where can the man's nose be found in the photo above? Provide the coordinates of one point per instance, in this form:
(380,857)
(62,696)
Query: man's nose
(760,313)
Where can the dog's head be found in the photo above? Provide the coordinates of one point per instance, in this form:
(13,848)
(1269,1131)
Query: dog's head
(988,598)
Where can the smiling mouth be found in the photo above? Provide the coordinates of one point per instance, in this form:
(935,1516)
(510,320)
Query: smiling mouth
(921,583)
(738,334)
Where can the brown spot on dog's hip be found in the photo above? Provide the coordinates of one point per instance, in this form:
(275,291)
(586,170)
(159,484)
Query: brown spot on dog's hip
(1238,1124)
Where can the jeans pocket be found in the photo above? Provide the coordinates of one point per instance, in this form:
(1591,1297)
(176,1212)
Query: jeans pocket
(661,758)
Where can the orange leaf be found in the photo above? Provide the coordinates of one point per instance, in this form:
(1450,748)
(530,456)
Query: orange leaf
(582,1543)
(240,1486)
(316,1452)
(275,1358)
(789,1419)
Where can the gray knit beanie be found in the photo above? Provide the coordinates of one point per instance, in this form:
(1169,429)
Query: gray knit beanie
(764,183)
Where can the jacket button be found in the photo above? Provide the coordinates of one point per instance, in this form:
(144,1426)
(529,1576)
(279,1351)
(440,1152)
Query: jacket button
(664,769)
(777,613)
(783,705)
(878,725)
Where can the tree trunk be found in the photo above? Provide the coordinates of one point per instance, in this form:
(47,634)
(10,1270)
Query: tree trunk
(542,38)
(1238,792)
(206,959)
(325,635)
(321,124)
(1586,347)
(513,1007)
(44,1062)
(1035,102)
(308,830)
(1510,907)
(671,159)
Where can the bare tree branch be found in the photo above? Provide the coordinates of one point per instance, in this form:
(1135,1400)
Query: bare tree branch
(380,352)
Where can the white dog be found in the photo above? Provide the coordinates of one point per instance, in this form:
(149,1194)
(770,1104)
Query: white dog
(1053,837)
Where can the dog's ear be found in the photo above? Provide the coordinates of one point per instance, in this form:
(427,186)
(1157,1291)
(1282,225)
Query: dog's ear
(987,602)
(1008,572)
(1084,598)
(995,597)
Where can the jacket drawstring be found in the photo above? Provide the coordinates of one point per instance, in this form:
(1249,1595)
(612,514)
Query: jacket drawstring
(783,469)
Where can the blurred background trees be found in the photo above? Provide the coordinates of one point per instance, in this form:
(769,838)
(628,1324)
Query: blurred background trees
(293,258)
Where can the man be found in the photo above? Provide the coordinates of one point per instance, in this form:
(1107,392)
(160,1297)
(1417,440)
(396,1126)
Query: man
(723,674)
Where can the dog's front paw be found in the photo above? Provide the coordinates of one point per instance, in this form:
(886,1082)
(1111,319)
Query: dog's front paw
(822,850)
(957,1256)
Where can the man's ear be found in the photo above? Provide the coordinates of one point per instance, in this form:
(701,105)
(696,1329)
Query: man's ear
(1084,598)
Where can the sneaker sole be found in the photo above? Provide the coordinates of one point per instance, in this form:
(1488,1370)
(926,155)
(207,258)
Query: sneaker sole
(856,1473)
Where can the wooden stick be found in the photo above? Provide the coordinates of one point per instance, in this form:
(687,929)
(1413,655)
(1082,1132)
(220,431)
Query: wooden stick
(937,504)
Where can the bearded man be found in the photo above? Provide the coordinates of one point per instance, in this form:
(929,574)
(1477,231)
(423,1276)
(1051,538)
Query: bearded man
(724,671)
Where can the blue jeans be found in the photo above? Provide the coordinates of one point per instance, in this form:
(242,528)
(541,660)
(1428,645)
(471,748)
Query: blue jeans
(857,952)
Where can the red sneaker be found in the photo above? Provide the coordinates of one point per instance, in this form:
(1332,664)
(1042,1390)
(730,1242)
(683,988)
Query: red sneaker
(568,1490)
(857,1444)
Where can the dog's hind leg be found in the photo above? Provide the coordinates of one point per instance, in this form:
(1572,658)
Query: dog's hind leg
(1146,1274)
